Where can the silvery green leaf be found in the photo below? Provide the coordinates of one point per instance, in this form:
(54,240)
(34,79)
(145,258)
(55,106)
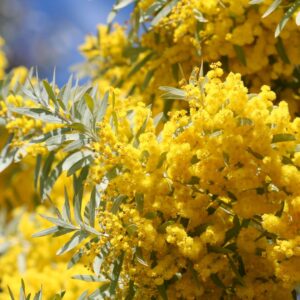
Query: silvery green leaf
(74,158)
(298,19)
(7,157)
(49,90)
(173,93)
(76,239)
(47,231)
(122,4)
(157,119)
(271,8)
(139,257)
(59,139)
(288,14)
(75,258)
(59,222)
(281,51)
(83,296)
(86,161)
(139,200)
(283,137)
(66,212)
(38,295)
(38,114)
(89,102)
(92,207)
(89,278)
(76,145)
(147,79)
(67,92)
(4,246)
(47,182)
(90,229)
(101,111)
(37,169)
(252,2)
(97,265)
(116,273)
(199,16)
(117,202)
(164,12)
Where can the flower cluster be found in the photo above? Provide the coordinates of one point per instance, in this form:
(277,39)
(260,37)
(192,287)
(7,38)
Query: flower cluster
(210,200)
(195,196)
(194,32)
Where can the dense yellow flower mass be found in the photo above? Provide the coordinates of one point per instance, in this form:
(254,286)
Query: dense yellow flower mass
(194,32)
(161,184)
(219,191)
(193,209)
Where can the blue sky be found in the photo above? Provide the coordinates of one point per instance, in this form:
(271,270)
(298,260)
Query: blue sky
(52,30)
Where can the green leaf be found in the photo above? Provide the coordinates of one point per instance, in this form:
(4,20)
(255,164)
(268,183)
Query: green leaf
(97,265)
(199,16)
(89,102)
(139,200)
(6,156)
(70,163)
(240,54)
(11,293)
(47,231)
(283,137)
(139,65)
(92,207)
(234,231)
(38,295)
(162,292)
(49,90)
(162,228)
(66,212)
(103,107)
(37,169)
(59,222)
(244,122)
(47,182)
(75,258)
(271,8)
(218,249)
(161,160)
(281,51)
(117,202)
(88,278)
(173,93)
(164,12)
(122,4)
(131,291)
(217,281)
(147,79)
(197,231)
(38,114)
(286,17)
(76,239)
(131,229)
(139,257)
(116,273)
(253,2)
(255,154)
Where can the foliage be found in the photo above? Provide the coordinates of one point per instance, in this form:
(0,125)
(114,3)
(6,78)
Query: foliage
(192,197)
